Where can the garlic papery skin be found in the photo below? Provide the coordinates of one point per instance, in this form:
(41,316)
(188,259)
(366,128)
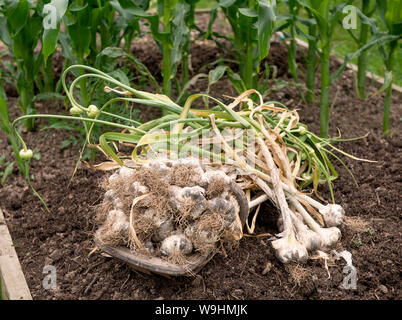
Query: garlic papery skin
(118,220)
(126,172)
(289,249)
(333,215)
(176,244)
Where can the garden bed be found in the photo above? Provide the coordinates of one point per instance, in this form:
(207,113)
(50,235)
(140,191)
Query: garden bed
(64,237)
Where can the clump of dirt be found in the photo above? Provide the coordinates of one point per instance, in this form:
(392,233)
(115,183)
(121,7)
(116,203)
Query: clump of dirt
(169,209)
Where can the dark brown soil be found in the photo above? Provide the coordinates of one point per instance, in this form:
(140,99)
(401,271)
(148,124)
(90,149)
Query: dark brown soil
(63,238)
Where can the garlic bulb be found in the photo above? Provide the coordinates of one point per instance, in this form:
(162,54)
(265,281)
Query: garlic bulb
(165,226)
(118,220)
(176,244)
(333,215)
(110,195)
(137,189)
(126,173)
(182,197)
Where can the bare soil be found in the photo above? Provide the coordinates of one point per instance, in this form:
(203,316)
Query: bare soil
(64,237)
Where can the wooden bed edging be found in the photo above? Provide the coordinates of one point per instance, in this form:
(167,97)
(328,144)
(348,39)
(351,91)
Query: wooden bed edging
(13,283)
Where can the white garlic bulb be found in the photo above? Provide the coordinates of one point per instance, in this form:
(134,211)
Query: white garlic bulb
(176,244)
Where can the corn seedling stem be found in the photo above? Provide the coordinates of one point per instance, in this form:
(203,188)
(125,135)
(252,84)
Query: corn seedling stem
(325,90)
(388,94)
(166,60)
(311,64)
(362,59)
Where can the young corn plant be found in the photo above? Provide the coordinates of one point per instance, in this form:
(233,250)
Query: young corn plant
(79,37)
(367,9)
(292,21)
(53,13)
(387,42)
(291,28)
(189,20)
(327,17)
(285,156)
(6,168)
(22,25)
(123,29)
(391,14)
(311,60)
(290,24)
(170,28)
(5,126)
(252,23)
(91,27)
(19,29)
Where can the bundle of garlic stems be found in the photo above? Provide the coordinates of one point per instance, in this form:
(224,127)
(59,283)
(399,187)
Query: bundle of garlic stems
(286,157)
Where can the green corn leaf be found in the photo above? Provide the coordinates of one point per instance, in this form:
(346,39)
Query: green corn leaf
(284,17)
(226,3)
(300,33)
(121,76)
(379,39)
(316,9)
(128,9)
(180,33)
(78,24)
(54,11)
(167,5)
(7,171)
(283,27)
(107,59)
(4,34)
(336,15)
(76,7)
(143,70)
(49,95)
(66,50)
(236,80)
(265,27)
(17,13)
(212,18)
(393,16)
(5,126)
(387,82)
(216,74)
(306,22)
(382,9)
(249,12)
(4,115)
